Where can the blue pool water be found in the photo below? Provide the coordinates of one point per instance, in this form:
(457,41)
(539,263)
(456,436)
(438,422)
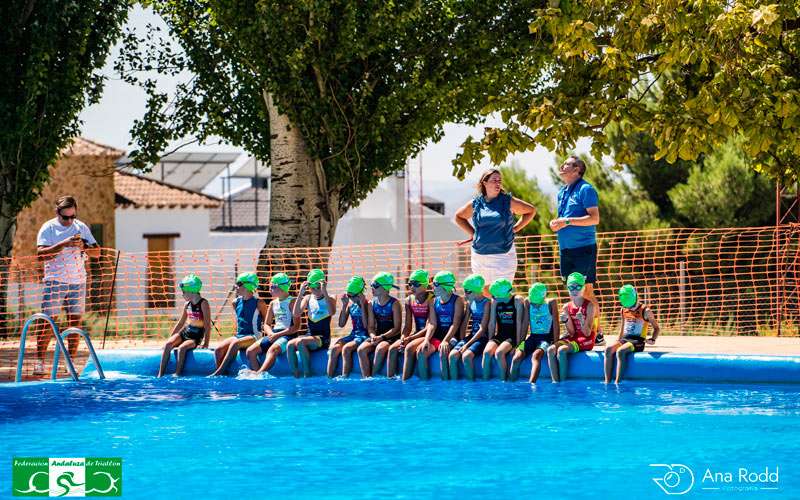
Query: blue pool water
(233,438)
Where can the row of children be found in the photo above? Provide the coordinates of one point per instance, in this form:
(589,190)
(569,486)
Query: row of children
(460,328)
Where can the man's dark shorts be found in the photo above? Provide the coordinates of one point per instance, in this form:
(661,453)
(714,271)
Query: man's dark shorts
(580,260)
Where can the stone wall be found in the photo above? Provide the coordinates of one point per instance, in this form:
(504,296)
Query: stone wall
(90,180)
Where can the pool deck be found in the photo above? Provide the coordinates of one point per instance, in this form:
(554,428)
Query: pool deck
(666,344)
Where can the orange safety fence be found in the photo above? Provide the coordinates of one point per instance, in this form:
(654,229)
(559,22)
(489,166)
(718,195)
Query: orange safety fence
(738,281)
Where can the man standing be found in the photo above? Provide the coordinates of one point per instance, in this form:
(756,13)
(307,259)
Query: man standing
(578,216)
(62,245)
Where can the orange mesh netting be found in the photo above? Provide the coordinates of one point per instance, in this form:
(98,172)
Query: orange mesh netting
(740,281)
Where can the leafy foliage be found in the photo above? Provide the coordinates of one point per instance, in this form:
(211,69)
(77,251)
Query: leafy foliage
(368,83)
(688,73)
(51,51)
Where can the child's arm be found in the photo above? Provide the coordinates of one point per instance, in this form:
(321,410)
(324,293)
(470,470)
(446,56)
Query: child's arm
(555,324)
(518,305)
(331,300)
(591,312)
(484,328)
(397,321)
(654,322)
(492,321)
(409,323)
(432,323)
(345,314)
(179,324)
(372,323)
(621,327)
(300,305)
(266,313)
(295,320)
(206,308)
(570,327)
(526,318)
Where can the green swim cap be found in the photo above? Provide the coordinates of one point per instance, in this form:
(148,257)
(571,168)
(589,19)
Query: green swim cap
(501,288)
(191,283)
(628,296)
(281,280)
(249,281)
(446,280)
(474,283)
(420,276)
(537,293)
(314,277)
(356,285)
(386,280)
(576,279)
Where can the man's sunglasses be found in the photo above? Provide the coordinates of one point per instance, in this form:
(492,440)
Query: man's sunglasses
(67,217)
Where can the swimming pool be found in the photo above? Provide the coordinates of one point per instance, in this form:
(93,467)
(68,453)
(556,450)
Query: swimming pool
(263,438)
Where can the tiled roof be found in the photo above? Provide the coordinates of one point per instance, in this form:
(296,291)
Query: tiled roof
(84,147)
(141,192)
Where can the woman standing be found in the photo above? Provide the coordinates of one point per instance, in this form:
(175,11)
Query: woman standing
(490,222)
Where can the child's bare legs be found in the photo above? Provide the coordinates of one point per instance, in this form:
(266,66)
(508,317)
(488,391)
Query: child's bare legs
(273,352)
(303,345)
(182,350)
(171,343)
(391,362)
(608,362)
(536,365)
(252,355)
(563,352)
(364,350)
(488,354)
(347,357)
(230,347)
(291,355)
(333,358)
(455,357)
(500,355)
(622,354)
(444,367)
(552,362)
(422,360)
(381,351)
(468,358)
(516,361)
(409,356)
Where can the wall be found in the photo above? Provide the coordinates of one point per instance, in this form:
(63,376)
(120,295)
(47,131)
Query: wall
(90,180)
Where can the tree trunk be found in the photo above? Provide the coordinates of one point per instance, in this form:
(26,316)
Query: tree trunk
(303,210)
(8,225)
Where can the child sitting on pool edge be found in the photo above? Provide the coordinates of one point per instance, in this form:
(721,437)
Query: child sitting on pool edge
(578,316)
(632,331)
(250,312)
(193,329)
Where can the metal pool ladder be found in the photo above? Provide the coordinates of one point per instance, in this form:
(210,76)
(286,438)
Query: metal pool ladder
(59,348)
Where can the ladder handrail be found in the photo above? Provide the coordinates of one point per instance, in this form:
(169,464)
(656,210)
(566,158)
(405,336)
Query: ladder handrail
(59,345)
(77,331)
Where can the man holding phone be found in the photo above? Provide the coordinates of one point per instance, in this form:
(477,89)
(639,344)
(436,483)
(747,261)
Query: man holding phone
(63,244)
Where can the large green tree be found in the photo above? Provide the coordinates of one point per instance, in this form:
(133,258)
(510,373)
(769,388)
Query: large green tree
(689,73)
(51,51)
(335,95)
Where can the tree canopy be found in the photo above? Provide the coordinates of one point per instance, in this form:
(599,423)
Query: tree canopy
(689,73)
(51,51)
(367,83)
